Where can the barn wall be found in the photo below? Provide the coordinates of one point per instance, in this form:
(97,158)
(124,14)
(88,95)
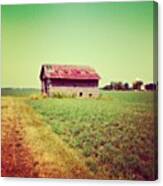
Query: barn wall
(43,87)
(77,91)
(74,83)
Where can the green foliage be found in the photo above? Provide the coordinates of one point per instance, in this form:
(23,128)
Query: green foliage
(115,131)
(92,165)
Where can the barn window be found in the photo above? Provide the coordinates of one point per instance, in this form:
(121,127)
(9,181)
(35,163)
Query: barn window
(81,94)
(90,94)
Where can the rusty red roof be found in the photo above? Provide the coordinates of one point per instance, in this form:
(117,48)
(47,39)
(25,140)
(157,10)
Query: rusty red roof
(69,72)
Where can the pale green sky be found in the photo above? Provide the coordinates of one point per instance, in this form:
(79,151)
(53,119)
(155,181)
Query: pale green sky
(114,38)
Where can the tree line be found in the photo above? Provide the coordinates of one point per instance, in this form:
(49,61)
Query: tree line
(136,85)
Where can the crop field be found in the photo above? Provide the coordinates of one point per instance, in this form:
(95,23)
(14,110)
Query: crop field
(111,137)
(31,149)
(114,133)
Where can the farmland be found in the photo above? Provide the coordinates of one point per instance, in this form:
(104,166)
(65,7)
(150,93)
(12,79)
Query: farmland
(18,92)
(112,135)
(115,133)
(31,149)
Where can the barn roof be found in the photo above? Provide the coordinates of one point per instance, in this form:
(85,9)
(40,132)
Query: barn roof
(68,72)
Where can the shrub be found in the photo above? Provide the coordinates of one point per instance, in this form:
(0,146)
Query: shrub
(35,97)
(63,95)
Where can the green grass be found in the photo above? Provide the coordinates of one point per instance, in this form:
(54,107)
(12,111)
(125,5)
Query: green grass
(115,132)
(19,92)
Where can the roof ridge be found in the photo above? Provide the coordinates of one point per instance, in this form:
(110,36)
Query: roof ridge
(68,65)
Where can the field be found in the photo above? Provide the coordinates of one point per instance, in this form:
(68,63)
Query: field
(113,135)
(19,92)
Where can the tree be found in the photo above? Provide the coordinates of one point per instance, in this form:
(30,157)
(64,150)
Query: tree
(126,86)
(137,85)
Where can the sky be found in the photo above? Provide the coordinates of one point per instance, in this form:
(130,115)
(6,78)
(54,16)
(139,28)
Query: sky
(116,39)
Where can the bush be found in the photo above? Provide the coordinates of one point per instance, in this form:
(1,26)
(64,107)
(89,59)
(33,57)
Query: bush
(63,95)
(35,97)
(38,96)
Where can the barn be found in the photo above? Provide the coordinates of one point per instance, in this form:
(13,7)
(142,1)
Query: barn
(80,81)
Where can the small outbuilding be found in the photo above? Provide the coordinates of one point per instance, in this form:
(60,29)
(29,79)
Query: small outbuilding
(80,81)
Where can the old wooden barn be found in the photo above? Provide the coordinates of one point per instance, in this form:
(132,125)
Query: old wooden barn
(81,81)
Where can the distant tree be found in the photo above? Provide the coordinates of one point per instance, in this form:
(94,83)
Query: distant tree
(150,86)
(126,86)
(137,85)
(119,85)
(107,87)
(113,85)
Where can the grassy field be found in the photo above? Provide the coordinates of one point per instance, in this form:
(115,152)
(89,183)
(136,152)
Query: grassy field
(115,133)
(31,149)
(19,92)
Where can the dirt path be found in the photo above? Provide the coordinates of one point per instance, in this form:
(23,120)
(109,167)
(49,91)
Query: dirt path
(31,149)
